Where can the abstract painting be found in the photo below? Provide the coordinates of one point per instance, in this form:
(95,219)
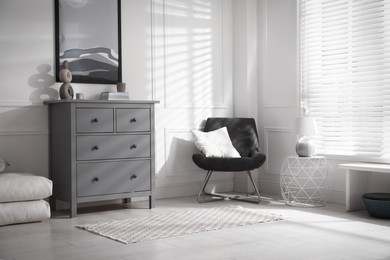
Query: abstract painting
(88,36)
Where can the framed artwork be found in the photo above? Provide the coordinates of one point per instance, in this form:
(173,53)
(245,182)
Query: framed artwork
(88,36)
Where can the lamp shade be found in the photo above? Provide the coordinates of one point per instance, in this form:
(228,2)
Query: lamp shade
(305,126)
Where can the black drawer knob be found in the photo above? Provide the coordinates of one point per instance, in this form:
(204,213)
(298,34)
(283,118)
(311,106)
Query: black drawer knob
(133,176)
(95,120)
(96,179)
(95,148)
(133,120)
(133,146)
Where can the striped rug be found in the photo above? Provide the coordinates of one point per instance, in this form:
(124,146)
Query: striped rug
(133,230)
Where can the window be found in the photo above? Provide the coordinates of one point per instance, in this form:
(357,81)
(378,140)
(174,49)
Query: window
(345,75)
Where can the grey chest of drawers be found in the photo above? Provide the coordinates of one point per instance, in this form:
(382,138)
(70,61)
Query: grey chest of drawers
(101,150)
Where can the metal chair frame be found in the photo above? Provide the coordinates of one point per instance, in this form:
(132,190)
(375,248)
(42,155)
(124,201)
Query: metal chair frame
(221,196)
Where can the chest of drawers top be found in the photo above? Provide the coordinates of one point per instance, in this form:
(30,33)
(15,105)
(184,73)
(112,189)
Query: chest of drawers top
(102,116)
(99,101)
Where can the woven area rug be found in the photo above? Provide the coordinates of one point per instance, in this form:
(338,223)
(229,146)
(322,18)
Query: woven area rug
(133,230)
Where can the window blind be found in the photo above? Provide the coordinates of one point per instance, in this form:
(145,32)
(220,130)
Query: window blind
(345,74)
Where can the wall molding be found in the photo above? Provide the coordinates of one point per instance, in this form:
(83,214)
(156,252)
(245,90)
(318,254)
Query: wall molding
(24,133)
(267,131)
(21,104)
(23,118)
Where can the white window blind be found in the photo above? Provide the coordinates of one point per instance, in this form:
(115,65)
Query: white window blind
(345,74)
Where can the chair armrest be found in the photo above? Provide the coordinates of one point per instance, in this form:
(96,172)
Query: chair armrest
(199,159)
(258,159)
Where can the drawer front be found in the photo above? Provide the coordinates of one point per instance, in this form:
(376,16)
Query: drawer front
(133,119)
(112,147)
(95,120)
(112,177)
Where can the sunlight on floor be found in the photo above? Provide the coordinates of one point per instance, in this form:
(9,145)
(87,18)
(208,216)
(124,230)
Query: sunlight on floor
(306,233)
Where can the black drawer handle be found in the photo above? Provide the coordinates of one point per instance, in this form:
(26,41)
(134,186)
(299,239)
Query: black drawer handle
(95,120)
(96,179)
(95,148)
(133,146)
(133,120)
(133,176)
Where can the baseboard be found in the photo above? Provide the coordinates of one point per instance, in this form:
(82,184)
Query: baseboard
(273,187)
(268,187)
(337,197)
(192,188)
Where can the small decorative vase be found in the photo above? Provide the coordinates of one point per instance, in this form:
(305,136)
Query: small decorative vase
(66,90)
(121,87)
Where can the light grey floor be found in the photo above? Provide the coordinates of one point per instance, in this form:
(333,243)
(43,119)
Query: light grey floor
(306,233)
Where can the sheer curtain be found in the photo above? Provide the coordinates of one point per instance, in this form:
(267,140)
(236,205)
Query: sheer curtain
(345,75)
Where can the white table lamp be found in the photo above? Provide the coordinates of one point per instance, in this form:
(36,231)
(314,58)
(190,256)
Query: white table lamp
(305,127)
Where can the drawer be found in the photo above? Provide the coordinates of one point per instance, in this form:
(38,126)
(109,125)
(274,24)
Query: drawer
(95,120)
(112,147)
(133,119)
(112,177)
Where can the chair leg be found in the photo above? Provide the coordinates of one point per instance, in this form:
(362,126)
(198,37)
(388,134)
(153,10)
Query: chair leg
(203,191)
(222,196)
(256,190)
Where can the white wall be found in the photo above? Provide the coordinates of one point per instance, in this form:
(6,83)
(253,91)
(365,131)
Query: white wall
(26,72)
(198,58)
(278,85)
(192,80)
(278,96)
(177,52)
(245,72)
(278,93)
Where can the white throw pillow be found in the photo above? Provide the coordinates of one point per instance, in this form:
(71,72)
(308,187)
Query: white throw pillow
(215,143)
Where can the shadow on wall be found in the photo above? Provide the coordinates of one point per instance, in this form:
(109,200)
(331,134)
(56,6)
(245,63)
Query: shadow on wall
(179,164)
(183,149)
(42,81)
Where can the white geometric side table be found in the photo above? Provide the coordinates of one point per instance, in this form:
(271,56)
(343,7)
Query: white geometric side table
(304,181)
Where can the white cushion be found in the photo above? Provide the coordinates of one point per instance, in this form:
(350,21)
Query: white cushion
(24,186)
(24,211)
(215,143)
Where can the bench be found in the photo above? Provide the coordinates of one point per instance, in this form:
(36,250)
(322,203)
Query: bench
(357,181)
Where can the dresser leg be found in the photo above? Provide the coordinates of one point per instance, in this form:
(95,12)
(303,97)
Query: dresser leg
(73,209)
(151,202)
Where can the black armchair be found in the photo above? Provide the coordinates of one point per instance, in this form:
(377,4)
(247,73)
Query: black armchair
(243,134)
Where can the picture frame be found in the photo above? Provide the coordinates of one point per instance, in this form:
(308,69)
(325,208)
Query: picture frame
(88,36)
